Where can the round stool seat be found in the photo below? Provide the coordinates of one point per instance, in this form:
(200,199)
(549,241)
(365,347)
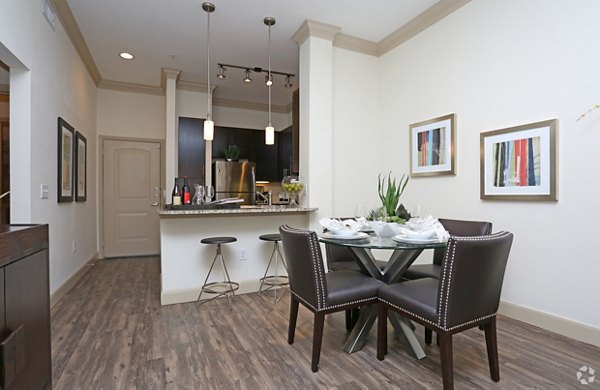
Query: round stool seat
(270,237)
(218,240)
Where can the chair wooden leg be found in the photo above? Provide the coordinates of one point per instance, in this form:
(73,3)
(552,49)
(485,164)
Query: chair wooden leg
(317,339)
(446,360)
(293,317)
(492,348)
(381,331)
(355,314)
(348,319)
(428,334)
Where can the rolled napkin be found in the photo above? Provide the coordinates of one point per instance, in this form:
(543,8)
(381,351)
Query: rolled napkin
(428,226)
(335,225)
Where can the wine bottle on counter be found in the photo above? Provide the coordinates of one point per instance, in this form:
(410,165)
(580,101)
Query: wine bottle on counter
(176,194)
(187,195)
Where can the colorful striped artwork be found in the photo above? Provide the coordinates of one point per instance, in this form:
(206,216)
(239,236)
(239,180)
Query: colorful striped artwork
(431,146)
(517,163)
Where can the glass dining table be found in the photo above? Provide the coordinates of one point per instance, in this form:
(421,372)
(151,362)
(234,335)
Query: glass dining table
(402,256)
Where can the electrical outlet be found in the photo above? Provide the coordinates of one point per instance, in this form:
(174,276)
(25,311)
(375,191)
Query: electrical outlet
(74,246)
(243,256)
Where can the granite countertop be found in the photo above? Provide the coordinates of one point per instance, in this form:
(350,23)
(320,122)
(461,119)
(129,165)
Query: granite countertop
(242,210)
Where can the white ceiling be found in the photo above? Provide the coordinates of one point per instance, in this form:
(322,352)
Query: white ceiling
(154,30)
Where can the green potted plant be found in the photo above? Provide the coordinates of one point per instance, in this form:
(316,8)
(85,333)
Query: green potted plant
(390,192)
(232,153)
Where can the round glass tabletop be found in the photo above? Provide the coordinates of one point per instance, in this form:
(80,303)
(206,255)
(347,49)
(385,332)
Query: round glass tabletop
(372,242)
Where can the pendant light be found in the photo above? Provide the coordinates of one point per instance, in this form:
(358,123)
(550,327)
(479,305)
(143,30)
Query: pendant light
(269,130)
(209,125)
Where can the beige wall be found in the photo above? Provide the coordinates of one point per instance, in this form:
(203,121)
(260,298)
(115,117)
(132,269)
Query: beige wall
(496,65)
(47,81)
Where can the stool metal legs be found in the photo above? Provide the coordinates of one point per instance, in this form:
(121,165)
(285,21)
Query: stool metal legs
(226,287)
(275,280)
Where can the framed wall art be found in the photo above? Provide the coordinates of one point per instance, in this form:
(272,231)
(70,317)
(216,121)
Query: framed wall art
(432,147)
(519,163)
(80,168)
(64,182)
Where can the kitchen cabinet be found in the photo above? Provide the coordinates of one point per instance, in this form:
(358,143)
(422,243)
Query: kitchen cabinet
(24,307)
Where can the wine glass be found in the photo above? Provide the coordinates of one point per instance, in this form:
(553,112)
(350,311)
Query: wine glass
(199,194)
(359,212)
(209,193)
(379,220)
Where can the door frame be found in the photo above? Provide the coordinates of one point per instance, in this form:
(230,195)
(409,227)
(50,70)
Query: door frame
(100,183)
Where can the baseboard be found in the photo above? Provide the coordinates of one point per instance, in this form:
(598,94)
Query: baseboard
(191,294)
(553,323)
(72,281)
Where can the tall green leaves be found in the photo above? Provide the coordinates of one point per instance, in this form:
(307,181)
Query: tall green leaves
(390,192)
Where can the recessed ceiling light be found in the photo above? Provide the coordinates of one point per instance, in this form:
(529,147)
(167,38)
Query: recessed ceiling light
(125,55)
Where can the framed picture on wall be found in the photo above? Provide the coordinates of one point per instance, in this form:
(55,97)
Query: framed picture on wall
(519,163)
(432,147)
(64,181)
(80,168)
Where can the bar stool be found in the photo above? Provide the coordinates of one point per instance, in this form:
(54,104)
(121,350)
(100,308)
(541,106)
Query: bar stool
(226,287)
(273,281)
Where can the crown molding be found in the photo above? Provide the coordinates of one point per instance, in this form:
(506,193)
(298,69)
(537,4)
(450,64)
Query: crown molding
(194,87)
(311,28)
(63,11)
(130,87)
(250,105)
(170,74)
(426,19)
(360,45)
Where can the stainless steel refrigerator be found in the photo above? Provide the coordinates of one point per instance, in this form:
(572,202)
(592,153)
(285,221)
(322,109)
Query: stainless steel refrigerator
(235,180)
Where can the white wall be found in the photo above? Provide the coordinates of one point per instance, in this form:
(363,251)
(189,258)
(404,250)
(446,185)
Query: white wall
(357,136)
(497,65)
(48,80)
(194,105)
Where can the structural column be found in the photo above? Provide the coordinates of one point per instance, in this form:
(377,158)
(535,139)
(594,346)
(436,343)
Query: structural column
(169,84)
(315,41)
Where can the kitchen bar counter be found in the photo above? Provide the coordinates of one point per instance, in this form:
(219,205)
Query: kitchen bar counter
(258,209)
(185,261)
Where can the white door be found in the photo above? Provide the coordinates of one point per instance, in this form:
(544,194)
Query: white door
(131,198)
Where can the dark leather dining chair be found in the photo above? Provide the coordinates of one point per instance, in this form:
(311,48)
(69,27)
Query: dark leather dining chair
(466,295)
(432,270)
(320,292)
(456,228)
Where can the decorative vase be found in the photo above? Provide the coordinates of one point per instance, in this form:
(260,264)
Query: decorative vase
(294,186)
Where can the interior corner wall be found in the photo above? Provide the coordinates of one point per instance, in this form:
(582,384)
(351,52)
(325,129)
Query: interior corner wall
(357,135)
(52,82)
(498,64)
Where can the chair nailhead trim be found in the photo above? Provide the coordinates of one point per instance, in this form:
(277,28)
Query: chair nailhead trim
(431,322)
(374,298)
(314,254)
(449,267)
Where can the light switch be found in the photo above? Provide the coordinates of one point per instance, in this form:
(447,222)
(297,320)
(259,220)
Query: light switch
(44,191)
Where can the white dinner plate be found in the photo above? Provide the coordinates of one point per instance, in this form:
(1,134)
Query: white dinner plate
(401,238)
(356,236)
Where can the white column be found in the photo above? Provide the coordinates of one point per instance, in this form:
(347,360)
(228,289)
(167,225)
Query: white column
(169,84)
(316,115)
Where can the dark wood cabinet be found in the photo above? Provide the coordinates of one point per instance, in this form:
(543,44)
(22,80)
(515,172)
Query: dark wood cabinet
(270,159)
(24,307)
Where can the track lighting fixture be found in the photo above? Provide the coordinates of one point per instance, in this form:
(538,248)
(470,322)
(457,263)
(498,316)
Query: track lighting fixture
(248,70)
(247,79)
(221,73)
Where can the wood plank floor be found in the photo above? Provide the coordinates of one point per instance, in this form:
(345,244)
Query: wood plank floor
(110,332)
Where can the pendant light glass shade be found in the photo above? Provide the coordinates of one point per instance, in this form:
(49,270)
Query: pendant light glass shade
(209,126)
(209,130)
(269,135)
